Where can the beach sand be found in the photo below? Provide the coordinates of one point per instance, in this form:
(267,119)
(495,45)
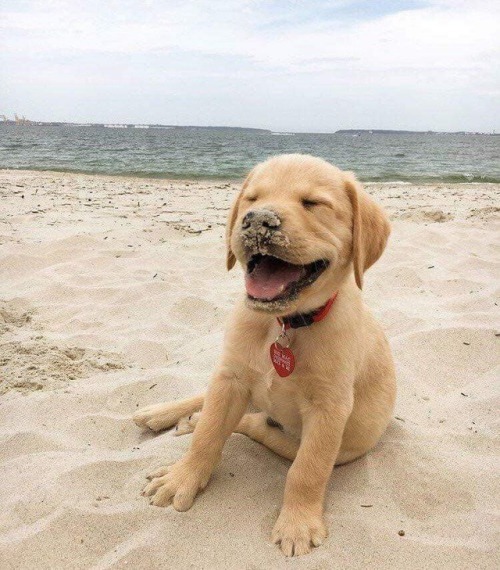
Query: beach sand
(113,296)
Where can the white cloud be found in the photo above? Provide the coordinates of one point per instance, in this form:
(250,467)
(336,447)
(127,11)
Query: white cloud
(303,52)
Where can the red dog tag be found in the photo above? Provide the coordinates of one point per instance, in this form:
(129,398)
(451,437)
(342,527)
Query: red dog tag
(283,359)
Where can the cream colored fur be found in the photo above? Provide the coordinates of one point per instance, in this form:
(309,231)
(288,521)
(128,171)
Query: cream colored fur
(338,401)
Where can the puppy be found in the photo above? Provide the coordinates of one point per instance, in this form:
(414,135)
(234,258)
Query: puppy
(300,345)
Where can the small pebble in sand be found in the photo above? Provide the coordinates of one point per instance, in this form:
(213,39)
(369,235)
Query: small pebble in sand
(401,533)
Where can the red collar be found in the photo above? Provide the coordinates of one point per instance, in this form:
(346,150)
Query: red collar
(298,320)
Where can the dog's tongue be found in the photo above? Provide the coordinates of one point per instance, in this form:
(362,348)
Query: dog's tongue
(270,278)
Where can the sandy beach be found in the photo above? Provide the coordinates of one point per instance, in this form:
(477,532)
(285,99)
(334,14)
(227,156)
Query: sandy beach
(113,295)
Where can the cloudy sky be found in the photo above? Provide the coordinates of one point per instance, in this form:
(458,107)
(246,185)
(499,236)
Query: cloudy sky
(309,65)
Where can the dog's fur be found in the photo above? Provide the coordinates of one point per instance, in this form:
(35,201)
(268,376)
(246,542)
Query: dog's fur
(340,397)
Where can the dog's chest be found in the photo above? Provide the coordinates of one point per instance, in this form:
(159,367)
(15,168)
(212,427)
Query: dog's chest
(277,396)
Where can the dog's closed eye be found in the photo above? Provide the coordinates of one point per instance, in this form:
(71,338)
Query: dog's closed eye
(312,202)
(308,204)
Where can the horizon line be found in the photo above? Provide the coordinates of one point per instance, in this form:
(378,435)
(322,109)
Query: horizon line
(30,122)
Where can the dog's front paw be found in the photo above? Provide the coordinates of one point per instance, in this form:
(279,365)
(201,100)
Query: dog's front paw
(297,532)
(177,484)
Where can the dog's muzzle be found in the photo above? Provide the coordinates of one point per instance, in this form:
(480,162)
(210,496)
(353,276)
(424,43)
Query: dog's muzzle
(256,219)
(260,231)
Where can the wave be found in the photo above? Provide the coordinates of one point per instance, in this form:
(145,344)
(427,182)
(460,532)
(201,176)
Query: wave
(455,178)
(168,175)
(16,146)
(394,177)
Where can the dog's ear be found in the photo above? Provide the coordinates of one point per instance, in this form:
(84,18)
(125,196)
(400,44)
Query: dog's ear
(370,228)
(233,214)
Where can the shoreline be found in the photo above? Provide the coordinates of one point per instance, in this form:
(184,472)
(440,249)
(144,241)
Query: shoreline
(238,180)
(61,198)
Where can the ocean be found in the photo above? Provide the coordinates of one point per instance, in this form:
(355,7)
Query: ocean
(201,153)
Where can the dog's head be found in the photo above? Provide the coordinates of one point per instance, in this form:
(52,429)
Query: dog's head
(299,227)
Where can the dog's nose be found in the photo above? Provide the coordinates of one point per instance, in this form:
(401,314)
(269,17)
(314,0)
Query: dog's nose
(261,218)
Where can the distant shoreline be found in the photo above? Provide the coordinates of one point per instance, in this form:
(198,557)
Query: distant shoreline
(352,132)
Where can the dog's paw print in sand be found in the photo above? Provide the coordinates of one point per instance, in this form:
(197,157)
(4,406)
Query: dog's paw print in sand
(30,362)
(422,215)
(13,316)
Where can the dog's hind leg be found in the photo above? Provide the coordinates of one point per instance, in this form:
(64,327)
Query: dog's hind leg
(256,426)
(187,424)
(163,416)
(266,431)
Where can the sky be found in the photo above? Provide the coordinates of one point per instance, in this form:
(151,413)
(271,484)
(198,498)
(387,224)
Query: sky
(300,66)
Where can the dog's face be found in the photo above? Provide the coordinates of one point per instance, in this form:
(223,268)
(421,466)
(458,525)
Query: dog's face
(294,229)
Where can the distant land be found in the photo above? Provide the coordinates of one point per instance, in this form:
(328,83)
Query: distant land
(23,122)
(28,123)
(356,132)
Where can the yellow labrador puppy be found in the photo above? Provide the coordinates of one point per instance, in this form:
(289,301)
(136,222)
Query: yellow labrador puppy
(300,346)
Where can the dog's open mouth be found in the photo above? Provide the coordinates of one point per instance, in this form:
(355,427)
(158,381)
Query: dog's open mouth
(269,278)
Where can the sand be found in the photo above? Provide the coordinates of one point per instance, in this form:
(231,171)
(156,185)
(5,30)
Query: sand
(113,296)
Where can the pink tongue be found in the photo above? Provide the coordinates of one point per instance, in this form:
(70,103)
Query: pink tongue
(271,277)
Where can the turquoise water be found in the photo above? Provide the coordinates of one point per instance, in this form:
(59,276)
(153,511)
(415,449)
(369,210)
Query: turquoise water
(229,154)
